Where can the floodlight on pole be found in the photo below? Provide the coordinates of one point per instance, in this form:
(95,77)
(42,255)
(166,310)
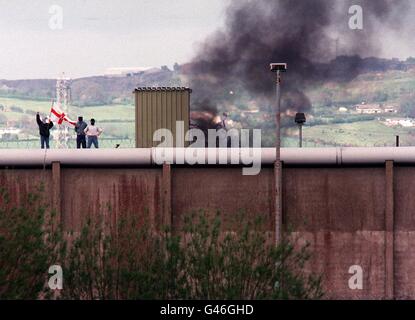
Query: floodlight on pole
(300,120)
(278,68)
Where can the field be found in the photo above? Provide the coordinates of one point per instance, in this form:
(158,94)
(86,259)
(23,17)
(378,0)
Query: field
(101,113)
(118,124)
(117,121)
(357,134)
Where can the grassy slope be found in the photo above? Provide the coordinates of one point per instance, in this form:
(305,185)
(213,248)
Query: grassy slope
(367,87)
(361,134)
(121,112)
(117,120)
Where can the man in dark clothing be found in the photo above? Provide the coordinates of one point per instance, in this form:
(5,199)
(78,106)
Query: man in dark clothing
(80,133)
(44,130)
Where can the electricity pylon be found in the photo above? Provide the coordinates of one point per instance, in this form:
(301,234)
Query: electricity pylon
(63,99)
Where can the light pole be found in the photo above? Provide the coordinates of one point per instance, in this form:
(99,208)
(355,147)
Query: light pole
(278,68)
(300,120)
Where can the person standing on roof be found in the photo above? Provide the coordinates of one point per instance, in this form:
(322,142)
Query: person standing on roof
(80,127)
(45,125)
(92,132)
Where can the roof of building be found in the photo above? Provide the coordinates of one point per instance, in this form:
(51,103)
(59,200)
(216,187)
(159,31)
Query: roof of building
(368,106)
(162,89)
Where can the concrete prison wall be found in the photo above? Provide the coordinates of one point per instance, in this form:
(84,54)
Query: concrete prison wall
(351,215)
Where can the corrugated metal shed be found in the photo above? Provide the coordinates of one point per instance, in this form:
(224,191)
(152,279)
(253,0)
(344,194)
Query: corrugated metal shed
(159,108)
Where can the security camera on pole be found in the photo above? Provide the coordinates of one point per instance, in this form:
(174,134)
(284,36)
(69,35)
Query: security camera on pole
(278,68)
(300,120)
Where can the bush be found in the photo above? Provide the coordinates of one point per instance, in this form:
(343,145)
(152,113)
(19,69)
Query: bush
(407,106)
(27,247)
(3,119)
(202,262)
(129,259)
(31,112)
(16,109)
(9,137)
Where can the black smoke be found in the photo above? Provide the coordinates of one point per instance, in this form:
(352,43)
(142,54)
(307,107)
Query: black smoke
(301,33)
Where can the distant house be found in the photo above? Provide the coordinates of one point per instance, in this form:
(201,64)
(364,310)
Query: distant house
(251,111)
(391,122)
(10,130)
(368,108)
(9,133)
(407,123)
(390,109)
(374,108)
(129,71)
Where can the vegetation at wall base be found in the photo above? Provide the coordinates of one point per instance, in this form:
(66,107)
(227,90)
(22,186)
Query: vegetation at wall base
(28,246)
(130,258)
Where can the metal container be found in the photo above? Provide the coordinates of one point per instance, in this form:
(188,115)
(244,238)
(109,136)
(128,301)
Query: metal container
(160,108)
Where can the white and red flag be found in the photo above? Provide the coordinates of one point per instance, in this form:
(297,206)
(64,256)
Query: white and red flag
(59,116)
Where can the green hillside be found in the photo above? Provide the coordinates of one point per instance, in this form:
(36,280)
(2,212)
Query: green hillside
(116,120)
(391,87)
(326,124)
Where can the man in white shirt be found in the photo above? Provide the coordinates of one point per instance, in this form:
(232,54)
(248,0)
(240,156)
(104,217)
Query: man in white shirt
(92,132)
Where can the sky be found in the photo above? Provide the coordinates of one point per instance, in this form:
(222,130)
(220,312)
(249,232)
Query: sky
(100,34)
(95,35)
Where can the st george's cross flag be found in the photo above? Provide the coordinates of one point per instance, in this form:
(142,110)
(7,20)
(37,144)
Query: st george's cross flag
(59,116)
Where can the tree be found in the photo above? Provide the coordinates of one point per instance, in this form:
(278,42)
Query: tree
(16,109)
(3,119)
(407,106)
(176,67)
(27,246)
(381,96)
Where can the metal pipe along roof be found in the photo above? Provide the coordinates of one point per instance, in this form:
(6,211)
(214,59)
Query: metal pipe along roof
(221,156)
